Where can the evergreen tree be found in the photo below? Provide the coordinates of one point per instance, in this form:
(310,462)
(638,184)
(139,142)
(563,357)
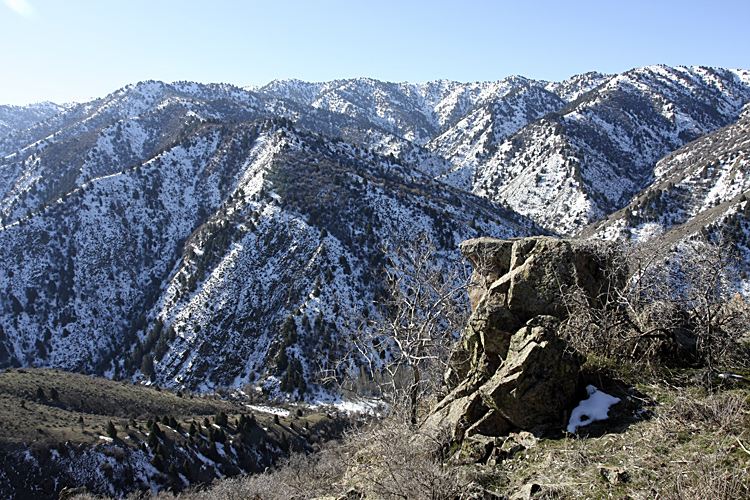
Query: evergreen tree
(284,442)
(186,470)
(156,429)
(111,431)
(221,419)
(147,368)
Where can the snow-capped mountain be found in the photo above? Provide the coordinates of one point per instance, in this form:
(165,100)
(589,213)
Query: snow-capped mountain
(420,113)
(702,187)
(16,118)
(206,235)
(590,157)
(562,153)
(194,260)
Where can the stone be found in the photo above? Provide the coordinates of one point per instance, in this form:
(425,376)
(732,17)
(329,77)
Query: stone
(527,492)
(476,491)
(613,475)
(473,450)
(538,379)
(352,494)
(454,414)
(510,369)
(509,446)
(493,423)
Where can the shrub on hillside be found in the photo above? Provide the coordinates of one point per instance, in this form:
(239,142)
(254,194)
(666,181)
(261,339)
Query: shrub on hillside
(676,308)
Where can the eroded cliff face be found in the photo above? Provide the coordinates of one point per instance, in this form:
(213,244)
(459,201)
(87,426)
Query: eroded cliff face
(511,369)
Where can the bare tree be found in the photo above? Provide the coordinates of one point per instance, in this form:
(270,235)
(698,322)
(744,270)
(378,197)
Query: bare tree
(404,347)
(703,280)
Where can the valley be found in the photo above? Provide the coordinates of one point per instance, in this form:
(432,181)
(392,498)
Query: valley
(173,252)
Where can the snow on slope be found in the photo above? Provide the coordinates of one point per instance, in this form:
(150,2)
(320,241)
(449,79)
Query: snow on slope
(93,258)
(702,181)
(196,258)
(612,138)
(16,118)
(220,235)
(292,263)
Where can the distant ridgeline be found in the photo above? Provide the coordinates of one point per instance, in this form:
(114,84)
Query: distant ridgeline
(204,236)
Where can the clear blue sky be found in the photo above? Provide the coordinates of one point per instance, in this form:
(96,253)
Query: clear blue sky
(63,50)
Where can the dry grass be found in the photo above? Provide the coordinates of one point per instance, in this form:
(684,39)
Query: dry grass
(692,447)
(28,418)
(43,424)
(689,449)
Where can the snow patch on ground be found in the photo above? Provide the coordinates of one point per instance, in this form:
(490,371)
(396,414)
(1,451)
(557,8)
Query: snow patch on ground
(593,409)
(269,409)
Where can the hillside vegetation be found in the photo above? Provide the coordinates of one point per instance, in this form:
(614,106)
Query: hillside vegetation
(69,430)
(673,439)
(205,247)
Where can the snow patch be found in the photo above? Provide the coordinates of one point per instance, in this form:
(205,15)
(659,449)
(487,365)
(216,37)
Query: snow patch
(269,409)
(593,409)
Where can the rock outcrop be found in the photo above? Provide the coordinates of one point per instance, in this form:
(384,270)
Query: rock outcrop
(511,369)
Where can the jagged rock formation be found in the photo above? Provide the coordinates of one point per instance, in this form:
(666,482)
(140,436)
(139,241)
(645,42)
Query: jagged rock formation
(511,369)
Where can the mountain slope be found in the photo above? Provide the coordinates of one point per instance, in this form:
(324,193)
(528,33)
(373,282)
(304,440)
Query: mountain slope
(16,118)
(193,260)
(422,112)
(219,235)
(599,150)
(611,129)
(702,188)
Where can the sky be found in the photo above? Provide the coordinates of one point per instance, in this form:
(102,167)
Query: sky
(74,50)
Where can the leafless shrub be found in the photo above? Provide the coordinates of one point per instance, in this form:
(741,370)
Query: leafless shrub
(667,309)
(402,351)
(301,477)
(393,461)
(721,410)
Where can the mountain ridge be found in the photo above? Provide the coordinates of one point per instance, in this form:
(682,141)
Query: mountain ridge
(192,222)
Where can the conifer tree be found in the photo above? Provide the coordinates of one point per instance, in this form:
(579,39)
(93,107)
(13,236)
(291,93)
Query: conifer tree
(284,442)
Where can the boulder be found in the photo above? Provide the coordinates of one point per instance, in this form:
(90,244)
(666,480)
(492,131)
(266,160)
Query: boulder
(511,369)
(537,380)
